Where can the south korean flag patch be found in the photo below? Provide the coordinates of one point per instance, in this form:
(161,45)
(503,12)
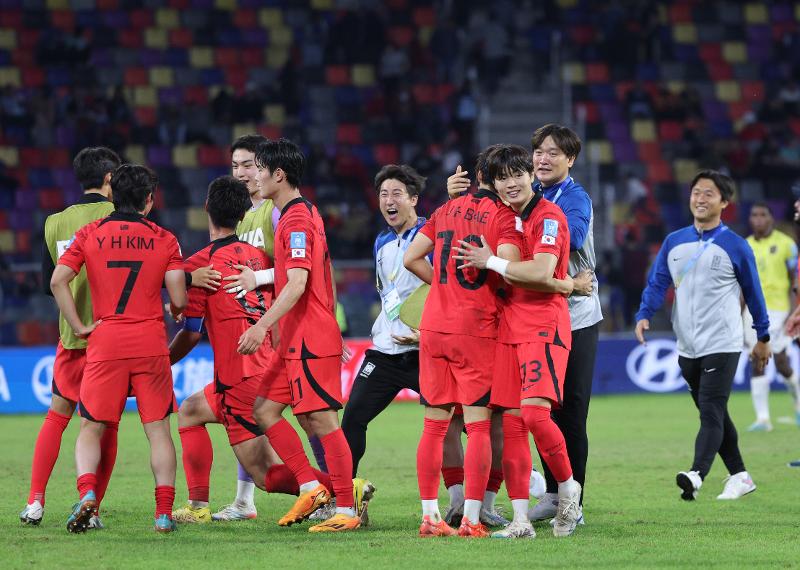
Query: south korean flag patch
(297,243)
(550,232)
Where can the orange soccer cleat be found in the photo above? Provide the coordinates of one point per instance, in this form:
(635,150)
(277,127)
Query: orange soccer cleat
(469,530)
(305,505)
(429,528)
(337,523)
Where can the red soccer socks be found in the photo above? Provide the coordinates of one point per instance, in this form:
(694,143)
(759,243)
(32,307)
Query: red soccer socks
(477,459)
(339,461)
(108,456)
(287,445)
(429,457)
(198,456)
(45,454)
(516,456)
(549,440)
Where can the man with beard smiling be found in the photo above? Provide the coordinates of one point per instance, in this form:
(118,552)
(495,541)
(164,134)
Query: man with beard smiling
(710,267)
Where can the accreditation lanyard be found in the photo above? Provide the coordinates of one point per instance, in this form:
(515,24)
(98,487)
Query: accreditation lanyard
(561,185)
(695,258)
(398,256)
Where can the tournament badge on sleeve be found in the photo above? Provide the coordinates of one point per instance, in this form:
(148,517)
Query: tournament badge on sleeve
(297,242)
(550,232)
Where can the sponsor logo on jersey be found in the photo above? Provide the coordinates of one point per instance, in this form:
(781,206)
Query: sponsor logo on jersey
(63,245)
(550,232)
(368,368)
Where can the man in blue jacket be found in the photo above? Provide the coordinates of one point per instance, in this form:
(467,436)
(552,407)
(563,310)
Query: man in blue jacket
(555,149)
(710,267)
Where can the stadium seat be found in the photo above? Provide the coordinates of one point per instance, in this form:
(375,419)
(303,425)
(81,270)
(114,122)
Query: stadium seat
(184,156)
(649,151)
(684,170)
(643,130)
(734,52)
(728,91)
(196,218)
(156,38)
(685,33)
(659,171)
(573,72)
(201,57)
(756,13)
(29,333)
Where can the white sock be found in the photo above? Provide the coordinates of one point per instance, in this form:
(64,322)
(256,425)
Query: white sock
(244,493)
(520,507)
(793,385)
(566,486)
(472,510)
(198,504)
(306,487)
(430,508)
(759,389)
(349,511)
(488,500)
(456,493)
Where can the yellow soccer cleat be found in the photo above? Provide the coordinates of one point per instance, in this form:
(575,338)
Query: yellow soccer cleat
(337,523)
(190,514)
(363,490)
(305,505)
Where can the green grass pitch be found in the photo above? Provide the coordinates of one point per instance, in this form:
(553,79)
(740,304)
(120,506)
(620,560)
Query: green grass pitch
(634,515)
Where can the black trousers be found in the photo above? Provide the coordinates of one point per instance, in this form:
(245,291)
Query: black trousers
(571,417)
(710,379)
(380,378)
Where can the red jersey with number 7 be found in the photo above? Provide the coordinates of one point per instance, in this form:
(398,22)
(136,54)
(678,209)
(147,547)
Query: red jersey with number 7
(227,317)
(309,329)
(464,301)
(126,257)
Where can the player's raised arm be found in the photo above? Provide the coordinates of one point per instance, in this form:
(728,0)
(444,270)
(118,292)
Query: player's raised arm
(288,297)
(415,258)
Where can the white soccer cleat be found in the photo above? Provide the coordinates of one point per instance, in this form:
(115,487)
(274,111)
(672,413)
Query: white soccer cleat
(545,509)
(737,486)
(32,514)
(235,512)
(516,529)
(762,425)
(690,483)
(95,523)
(569,512)
(492,517)
(324,512)
(537,486)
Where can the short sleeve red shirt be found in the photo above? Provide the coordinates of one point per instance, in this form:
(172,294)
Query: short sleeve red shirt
(309,329)
(463,301)
(532,316)
(225,317)
(126,257)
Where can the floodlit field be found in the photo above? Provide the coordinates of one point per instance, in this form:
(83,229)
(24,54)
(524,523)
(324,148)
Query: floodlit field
(633,511)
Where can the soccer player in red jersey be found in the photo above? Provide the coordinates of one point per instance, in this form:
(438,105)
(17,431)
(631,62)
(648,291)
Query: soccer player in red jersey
(127,259)
(310,344)
(459,328)
(533,339)
(229,399)
(93,168)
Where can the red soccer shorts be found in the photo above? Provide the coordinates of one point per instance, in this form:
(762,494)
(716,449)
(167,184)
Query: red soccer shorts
(233,408)
(68,372)
(106,384)
(274,385)
(308,385)
(455,369)
(528,370)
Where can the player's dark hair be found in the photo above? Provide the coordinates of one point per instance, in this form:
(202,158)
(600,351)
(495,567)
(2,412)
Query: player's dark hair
(565,138)
(227,201)
(506,159)
(481,165)
(92,164)
(248,142)
(131,184)
(415,183)
(723,182)
(762,204)
(283,154)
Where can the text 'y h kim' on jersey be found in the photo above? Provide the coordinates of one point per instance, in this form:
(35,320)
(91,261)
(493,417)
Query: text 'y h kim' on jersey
(126,258)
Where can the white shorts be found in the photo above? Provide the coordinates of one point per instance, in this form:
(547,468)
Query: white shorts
(778,340)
